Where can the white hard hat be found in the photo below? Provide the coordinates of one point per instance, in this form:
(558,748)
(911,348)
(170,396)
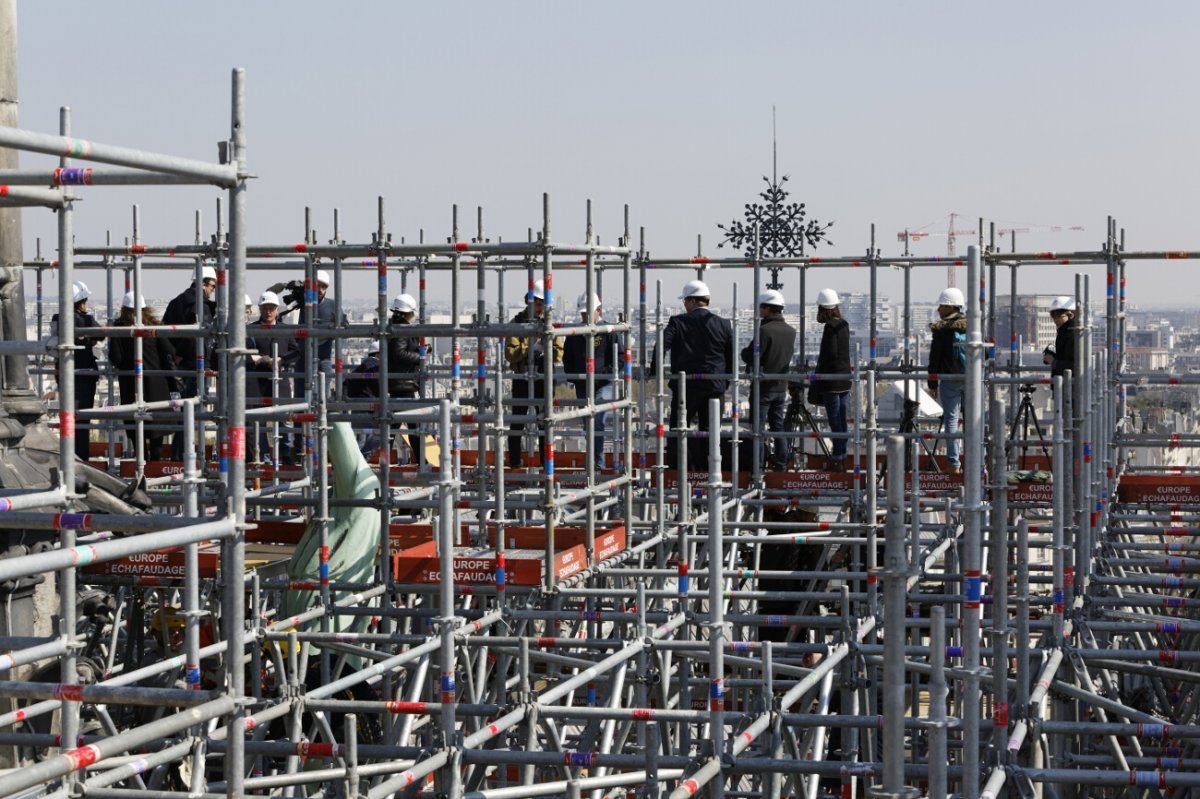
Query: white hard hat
(404,303)
(1062,303)
(208,273)
(538,292)
(249,302)
(582,303)
(827,298)
(323,278)
(127,300)
(268,297)
(81,291)
(771,297)
(695,288)
(952,296)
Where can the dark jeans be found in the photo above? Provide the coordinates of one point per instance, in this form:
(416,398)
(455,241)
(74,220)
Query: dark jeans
(85,399)
(772,410)
(835,409)
(413,438)
(521,390)
(698,417)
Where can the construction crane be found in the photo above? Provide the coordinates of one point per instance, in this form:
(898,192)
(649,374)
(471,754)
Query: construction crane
(952,233)
(1011,230)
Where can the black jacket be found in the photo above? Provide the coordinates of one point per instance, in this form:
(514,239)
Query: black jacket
(363,381)
(182,311)
(944,357)
(258,378)
(404,361)
(575,359)
(700,343)
(157,356)
(834,358)
(777,344)
(1064,349)
(85,358)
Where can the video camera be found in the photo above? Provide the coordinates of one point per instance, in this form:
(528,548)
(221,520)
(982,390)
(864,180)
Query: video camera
(291,293)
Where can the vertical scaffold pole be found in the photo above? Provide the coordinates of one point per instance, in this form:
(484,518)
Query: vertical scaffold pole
(716,607)
(972,549)
(66,451)
(895,578)
(547,407)
(234,598)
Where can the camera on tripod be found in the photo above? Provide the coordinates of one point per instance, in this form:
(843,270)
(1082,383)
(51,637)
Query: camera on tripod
(1028,389)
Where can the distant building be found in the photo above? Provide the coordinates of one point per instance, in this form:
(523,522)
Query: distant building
(1147,359)
(1034,328)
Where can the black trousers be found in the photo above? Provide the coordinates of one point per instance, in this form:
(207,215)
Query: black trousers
(85,399)
(697,416)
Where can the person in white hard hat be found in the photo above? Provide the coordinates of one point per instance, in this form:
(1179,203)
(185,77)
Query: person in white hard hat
(159,384)
(325,315)
(605,361)
(1061,357)
(194,305)
(526,358)
(776,345)
(404,360)
(948,356)
(700,344)
(86,366)
(833,359)
(268,359)
(249,309)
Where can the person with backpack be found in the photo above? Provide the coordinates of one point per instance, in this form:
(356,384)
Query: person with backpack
(833,358)
(948,356)
(777,344)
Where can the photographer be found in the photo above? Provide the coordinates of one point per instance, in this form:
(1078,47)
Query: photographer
(1061,357)
(404,360)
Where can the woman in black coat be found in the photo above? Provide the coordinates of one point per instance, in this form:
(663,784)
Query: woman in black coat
(85,361)
(833,358)
(158,358)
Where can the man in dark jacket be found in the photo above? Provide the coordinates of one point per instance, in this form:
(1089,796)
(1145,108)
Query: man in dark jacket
(269,358)
(85,361)
(776,345)
(605,348)
(404,361)
(1061,358)
(193,305)
(526,359)
(363,384)
(325,316)
(701,344)
(948,356)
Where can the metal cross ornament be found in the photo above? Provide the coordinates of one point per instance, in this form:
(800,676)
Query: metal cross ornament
(783,230)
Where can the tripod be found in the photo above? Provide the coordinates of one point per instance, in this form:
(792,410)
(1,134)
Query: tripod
(1025,416)
(798,417)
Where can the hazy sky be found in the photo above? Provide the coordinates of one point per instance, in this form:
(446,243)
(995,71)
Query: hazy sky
(892,113)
